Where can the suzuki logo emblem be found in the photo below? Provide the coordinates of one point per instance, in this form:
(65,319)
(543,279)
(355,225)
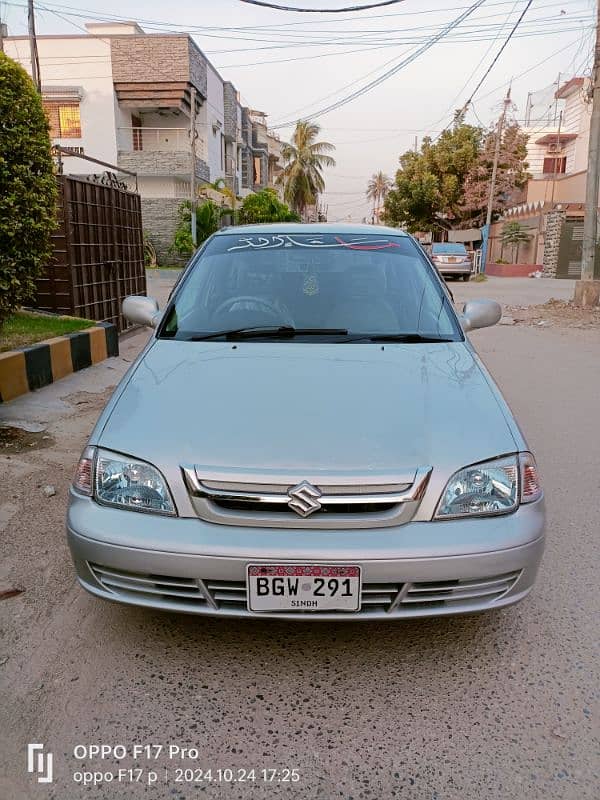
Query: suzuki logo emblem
(304,499)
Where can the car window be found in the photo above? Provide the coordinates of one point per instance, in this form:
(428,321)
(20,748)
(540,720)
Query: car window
(362,284)
(449,249)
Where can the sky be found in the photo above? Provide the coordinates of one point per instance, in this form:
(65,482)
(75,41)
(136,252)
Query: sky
(292,65)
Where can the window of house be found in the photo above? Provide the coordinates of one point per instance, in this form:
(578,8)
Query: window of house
(65,120)
(136,131)
(555,165)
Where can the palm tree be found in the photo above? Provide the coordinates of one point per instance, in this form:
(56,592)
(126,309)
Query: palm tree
(377,190)
(305,157)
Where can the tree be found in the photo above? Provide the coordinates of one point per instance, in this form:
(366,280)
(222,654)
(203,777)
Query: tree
(513,233)
(446,184)
(428,189)
(305,157)
(265,206)
(27,187)
(208,221)
(377,190)
(512,176)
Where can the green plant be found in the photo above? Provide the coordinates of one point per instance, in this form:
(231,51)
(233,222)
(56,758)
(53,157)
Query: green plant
(501,261)
(265,206)
(305,157)
(27,187)
(514,234)
(378,188)
(208,220)
(480,277)
(150,259)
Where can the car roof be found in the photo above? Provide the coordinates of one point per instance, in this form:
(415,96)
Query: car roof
(312,228)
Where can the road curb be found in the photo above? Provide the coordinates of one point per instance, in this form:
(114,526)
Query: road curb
(30,368)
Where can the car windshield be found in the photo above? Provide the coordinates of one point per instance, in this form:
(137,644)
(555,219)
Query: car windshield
(325,285)
(449,249)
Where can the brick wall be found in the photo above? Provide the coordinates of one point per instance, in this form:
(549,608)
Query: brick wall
(554,223)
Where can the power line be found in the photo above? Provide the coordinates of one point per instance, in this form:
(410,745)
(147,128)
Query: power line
(494,61)
(480,62)
(397,68)
(264,4)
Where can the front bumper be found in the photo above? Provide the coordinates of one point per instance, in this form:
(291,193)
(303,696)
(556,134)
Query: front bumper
(414,570)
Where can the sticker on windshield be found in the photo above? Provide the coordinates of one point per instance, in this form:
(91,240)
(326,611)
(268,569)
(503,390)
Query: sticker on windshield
(286,240)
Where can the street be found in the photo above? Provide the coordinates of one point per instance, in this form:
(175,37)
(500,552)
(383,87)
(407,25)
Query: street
(493,706)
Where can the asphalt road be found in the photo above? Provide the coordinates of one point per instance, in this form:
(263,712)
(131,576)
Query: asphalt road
(493,706)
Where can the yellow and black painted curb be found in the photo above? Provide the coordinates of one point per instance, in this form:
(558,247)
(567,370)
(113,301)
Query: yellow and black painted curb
(32,367)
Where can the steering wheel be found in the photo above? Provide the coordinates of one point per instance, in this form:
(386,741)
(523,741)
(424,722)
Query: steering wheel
(268,306)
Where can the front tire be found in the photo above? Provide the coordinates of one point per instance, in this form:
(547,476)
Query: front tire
(466,276)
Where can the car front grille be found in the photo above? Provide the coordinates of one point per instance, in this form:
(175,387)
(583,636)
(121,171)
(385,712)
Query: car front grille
(330,504)
(229,597)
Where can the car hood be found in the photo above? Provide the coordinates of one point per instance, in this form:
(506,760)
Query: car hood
(305,410)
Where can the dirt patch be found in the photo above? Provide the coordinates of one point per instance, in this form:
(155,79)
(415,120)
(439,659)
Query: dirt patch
(16,440)
(556,313)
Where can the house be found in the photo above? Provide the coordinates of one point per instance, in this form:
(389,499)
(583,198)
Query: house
(557,152)
(553,211)
(131,99)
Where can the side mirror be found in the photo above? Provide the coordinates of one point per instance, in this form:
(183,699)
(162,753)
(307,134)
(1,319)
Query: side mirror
(141,310)
(480,314)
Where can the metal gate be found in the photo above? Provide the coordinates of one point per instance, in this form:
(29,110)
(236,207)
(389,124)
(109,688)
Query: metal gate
(570,251)
(98,251)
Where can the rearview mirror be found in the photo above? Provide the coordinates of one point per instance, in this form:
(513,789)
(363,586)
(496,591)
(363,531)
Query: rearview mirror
(480,314)
(141,310)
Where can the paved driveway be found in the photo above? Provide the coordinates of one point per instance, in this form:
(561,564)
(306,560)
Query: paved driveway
(492,706)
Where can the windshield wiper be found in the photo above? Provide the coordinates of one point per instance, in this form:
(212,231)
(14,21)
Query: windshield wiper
(269,331)
(406,338)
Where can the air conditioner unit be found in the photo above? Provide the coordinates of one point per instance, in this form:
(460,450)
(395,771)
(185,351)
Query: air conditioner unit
(554,147)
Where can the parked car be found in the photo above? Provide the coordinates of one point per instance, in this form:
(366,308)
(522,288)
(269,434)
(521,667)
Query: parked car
(452,259)
(308,434)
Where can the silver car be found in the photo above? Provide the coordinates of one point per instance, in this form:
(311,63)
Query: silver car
(452,260)
(308,434)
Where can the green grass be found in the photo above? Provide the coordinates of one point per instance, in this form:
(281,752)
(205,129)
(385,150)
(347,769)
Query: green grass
(479,278)
(168,266)
(26,327)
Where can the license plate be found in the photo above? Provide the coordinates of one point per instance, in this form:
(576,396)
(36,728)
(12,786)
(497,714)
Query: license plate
(303,587)
(453,260)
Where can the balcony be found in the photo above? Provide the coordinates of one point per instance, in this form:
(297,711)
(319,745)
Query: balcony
(159,151)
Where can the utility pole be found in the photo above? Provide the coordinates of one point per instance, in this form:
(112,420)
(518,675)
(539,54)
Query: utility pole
(2,32)
(554,171)
(587,290)
(193,135)
(35,62)
(499,129)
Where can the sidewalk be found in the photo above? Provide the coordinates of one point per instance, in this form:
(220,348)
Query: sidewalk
(66,397)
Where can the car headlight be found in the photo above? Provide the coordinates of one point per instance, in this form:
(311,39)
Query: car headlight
(124,482)
(482,489)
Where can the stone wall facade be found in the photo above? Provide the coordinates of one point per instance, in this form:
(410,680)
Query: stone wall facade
(230,104)
(149,58)
(162,162)
(554,223)
(158,59)
(159,220)
(198,69)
